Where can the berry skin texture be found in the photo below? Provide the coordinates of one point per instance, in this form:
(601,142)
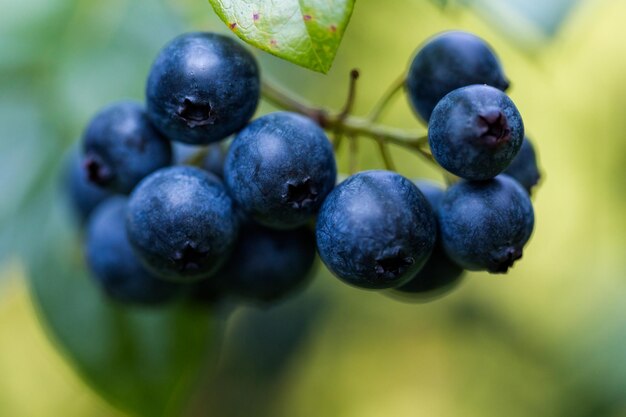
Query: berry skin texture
(449,61)
(524,167)
(279,169)
(475,132)
(202,87)
(375,230)
(440,274)
(83,195)
(267,265)
(121,147)
(432,191)
(485,225)
(181,223)
(113,263)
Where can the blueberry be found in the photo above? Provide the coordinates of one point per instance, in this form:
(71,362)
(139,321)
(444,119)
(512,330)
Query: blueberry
(113,263)
(181,223)
(440,274)
(280,168)
(83,195)
(182,153)
(211,157)
(432,191)
(438,277)
(485,225)
(121,147)
(202,87)
(268,264)
(449,61)
(524,167)
(214,159)
(475,132)
(375,230)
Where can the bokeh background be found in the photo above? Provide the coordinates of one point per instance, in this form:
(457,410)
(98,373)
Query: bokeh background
(548,339)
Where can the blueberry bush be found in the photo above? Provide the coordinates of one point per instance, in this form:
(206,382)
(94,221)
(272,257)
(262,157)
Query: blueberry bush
(224,188)
(180,235)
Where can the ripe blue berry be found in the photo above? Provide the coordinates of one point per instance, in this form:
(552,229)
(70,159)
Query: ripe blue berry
(449,61)
(181,223)
(440,274)
(182,152)
(268,264)
(202,87)
(485,225)
(432,191)
(280,168)
(475,132)
(375,230)
(83,195)
(113,263)
(212,158)
(524,166)
(121,147)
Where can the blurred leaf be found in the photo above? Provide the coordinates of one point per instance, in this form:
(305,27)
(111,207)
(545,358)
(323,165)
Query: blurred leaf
(144,361)
(23,207)
(545,16)
(262,342)
(527,22)
(260,347)
(30,364)
(442,3)
(305,32)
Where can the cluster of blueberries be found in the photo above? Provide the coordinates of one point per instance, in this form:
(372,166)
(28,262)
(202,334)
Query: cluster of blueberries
(170,211)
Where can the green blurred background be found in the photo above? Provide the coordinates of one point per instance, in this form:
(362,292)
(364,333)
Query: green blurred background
(548,339)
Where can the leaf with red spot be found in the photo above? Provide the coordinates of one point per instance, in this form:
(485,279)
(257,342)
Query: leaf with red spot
(305,32)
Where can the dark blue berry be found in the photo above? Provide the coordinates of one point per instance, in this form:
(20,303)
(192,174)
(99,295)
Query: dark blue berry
(280,168)
(475,132)
(181,223)
(182,153)
(375,230)
(83,195)
(268,264)
(121,147)
(440,274)
(449,61)
(485,225)
(432,191)
(210,158)
(214,159)
(202,87)
(113,263)
(524,167)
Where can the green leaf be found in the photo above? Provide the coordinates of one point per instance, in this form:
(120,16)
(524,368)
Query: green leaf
(143,361)
(305,32)
(146,362)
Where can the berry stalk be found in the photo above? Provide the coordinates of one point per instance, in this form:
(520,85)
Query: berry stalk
(352,126)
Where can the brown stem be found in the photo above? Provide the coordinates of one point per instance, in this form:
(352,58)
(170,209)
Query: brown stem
(386,98)
(347,108)
(343,124)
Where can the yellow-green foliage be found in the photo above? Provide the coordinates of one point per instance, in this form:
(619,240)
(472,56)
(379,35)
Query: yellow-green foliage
(548,339)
